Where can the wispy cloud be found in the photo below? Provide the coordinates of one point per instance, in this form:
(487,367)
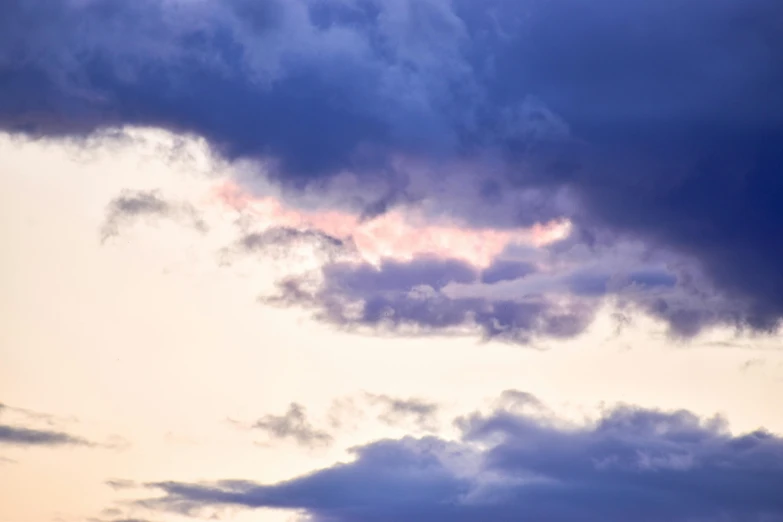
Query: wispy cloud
(21,436)
(26,433)
(293,425)
(121,484)
(131,206)
(397,411)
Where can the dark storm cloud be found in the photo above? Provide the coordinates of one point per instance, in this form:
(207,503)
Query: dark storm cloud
(632,464)
(659,121)
(132,205)
(409,297)
(293,425)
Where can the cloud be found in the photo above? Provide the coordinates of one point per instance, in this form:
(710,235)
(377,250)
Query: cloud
(511,300)
(344,413)
(283,241)
(131,205)
(751,364)
(517,400)
(293,425)
(410,297)
(120,484)
(506,270)
(655,121)
(630,463)
(21,436)
(397,411)
(35,416)
(25,433)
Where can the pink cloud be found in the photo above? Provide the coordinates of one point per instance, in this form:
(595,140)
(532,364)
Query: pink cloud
(396,234)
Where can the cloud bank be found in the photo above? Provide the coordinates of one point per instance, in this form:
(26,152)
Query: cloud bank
(630,464)
(658,122)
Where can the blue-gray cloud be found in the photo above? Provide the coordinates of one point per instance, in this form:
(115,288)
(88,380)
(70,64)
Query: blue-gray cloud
(511,300)
(22,436)
(409,297)
(662,121)
(632,464)
(27,433)
(132,205)
(506,270)
(293,425)
(396,410)
(279,240)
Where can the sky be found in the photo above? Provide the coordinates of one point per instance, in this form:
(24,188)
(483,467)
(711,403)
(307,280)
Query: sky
(370,261)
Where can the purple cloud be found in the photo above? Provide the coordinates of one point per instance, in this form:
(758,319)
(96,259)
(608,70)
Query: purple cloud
(659,122)
(631,463)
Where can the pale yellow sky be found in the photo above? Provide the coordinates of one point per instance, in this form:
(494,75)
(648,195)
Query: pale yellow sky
(147,340)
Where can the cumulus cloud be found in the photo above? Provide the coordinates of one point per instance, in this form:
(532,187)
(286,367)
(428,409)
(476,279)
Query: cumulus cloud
(659,122)
(630,463)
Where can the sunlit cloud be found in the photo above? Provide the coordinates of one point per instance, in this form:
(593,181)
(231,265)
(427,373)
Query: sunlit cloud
(398,234)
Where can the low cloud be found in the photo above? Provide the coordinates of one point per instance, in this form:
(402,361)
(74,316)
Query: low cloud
(522,293)
(411,298)
(629,464)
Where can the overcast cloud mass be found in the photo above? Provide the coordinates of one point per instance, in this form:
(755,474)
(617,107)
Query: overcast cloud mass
(655,121)
(518,172)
